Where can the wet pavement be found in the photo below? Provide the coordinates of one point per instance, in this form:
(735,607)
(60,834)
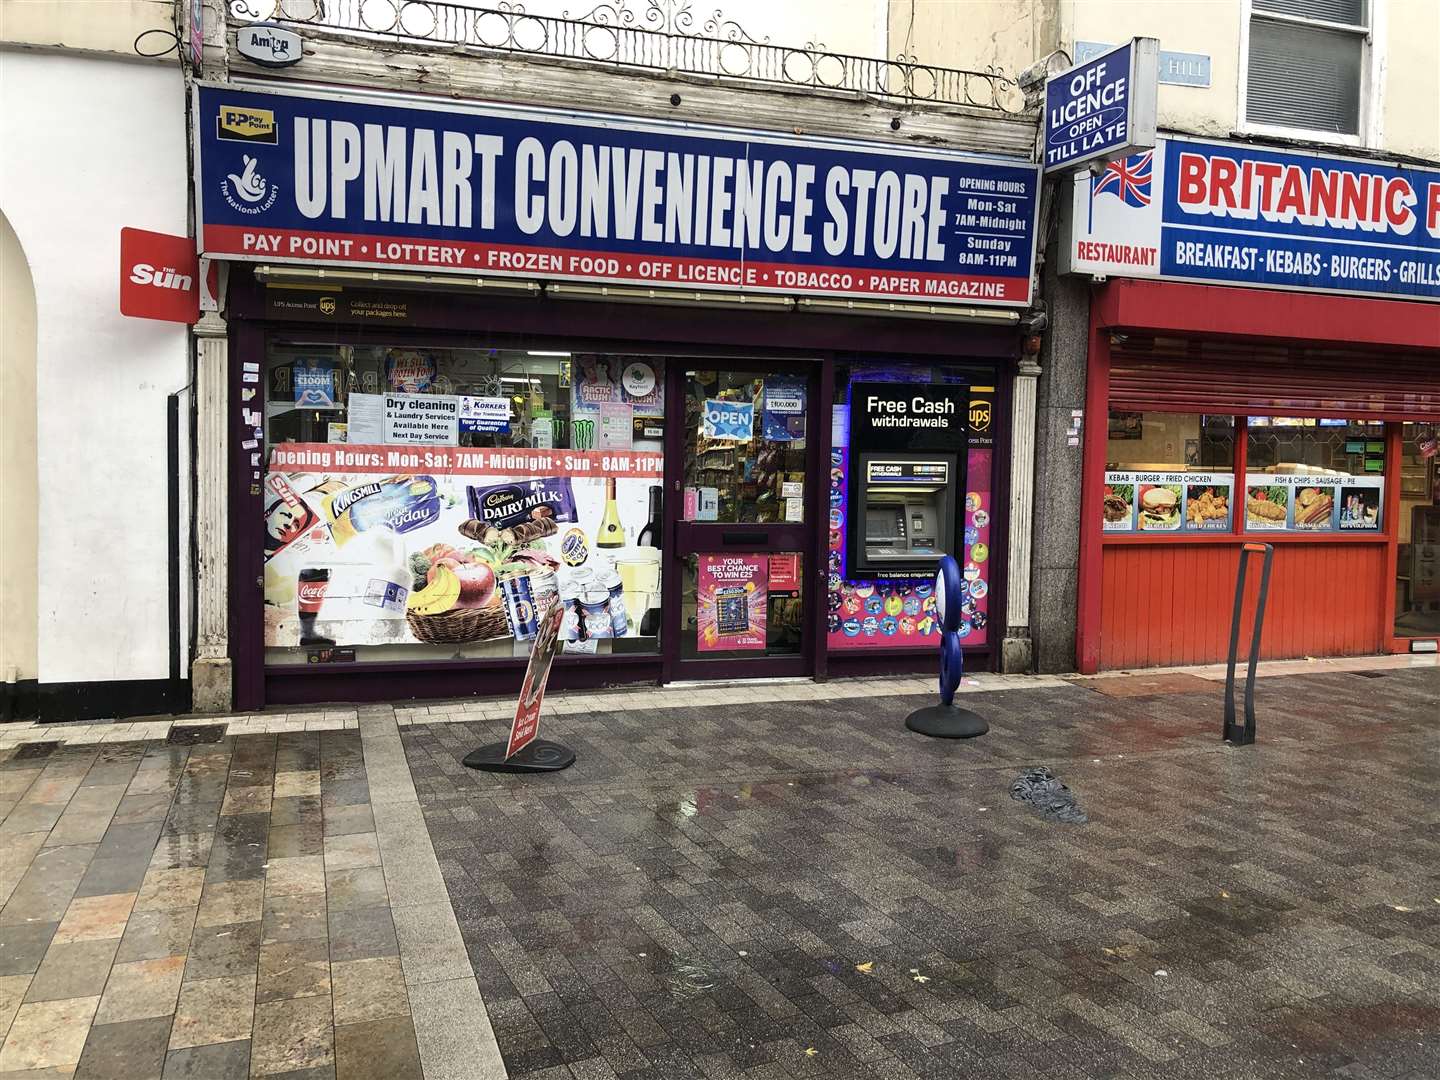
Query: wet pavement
(795,887)
(203,911)
(805,889)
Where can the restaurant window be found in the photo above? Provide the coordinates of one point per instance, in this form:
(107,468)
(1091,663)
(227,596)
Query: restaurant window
(1417,568)
(1306,65)
(425,503)
(1314,475)
(1168,472)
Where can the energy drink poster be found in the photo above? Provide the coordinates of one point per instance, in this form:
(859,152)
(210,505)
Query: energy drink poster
(451,547)
(732,600)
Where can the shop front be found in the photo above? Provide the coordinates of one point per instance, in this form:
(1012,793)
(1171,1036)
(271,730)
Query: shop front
(753,475)
(1257,408)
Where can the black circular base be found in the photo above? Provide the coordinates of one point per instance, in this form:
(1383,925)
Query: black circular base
(540,756)
(946,722)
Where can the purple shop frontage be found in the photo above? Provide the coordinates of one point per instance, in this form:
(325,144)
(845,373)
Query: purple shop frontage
(457,400)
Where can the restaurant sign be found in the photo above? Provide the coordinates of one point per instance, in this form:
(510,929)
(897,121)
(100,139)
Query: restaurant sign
(321,177)
(1232,214)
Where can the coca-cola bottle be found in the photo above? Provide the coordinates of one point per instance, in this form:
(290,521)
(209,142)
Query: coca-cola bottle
(310,586)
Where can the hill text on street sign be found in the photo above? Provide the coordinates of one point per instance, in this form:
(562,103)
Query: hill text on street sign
(1103,108)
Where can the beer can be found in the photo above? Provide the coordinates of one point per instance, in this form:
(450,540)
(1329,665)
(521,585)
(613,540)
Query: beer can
(519,601)
(543,587)
(595,613)
(572,626)
(609,580)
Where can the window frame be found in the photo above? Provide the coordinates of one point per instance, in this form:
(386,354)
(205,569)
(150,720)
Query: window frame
(1372,63)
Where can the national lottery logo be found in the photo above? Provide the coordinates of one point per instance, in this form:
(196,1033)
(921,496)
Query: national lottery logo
(247,190)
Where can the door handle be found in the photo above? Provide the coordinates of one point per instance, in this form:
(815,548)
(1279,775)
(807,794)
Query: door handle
(761,538)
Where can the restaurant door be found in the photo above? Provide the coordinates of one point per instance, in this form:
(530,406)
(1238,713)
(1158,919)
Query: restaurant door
(739,473)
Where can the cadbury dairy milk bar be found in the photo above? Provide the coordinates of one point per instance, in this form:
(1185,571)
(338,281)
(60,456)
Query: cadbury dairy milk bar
(500,506)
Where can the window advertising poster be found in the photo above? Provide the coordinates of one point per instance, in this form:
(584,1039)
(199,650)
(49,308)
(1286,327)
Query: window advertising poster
(314,382)
(783,402)
(1160,502)
(450,547)
(408,371)
(617,425)
(731,602)
(1319,503)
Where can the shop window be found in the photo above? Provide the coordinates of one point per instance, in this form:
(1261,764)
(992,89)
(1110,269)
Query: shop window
(1305,67)
(416,506)
(1417,570)
(1314,475)
(1169,472)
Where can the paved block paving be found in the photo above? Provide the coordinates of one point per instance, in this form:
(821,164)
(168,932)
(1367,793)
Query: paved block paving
(170,911)
(735,883)
(807,890)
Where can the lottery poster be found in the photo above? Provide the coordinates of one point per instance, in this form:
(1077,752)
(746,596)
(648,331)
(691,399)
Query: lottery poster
(732,596)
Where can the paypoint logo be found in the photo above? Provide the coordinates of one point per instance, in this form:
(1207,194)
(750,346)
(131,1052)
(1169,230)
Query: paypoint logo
(979,416)
(236,123)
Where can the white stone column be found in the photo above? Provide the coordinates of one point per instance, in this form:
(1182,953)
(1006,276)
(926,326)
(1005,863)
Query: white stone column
(1016,650)
(210,673)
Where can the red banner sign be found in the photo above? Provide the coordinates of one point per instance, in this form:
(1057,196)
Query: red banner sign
(462,461)
(159,277)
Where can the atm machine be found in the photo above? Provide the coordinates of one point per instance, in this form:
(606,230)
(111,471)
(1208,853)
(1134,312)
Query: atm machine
(907,478)
(909,512)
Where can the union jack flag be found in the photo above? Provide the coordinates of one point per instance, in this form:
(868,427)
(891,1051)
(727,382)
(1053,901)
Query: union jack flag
(1129,180)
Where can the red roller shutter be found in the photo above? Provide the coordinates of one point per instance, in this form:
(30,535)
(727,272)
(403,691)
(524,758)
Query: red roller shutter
(1173,374)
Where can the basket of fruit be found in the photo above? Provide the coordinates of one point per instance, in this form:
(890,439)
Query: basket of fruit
(454,599)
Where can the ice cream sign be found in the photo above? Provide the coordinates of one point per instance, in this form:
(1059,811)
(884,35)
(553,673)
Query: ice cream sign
(1104,107)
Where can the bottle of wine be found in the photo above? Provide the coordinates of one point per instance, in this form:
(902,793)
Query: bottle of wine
(650,534)
(612,533)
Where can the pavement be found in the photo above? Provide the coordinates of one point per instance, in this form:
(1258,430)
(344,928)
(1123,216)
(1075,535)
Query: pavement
(769,881)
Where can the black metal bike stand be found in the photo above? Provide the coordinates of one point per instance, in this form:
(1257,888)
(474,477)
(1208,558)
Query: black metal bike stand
(1233,733)
(542,755)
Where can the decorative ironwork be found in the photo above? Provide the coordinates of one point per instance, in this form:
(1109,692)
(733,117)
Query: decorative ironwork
(666,36)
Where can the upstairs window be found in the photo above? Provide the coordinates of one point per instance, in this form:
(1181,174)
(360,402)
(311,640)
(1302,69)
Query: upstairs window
(1307,65)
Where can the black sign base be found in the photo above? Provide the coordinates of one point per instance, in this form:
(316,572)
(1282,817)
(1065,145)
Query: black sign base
(946,722)
(540,756)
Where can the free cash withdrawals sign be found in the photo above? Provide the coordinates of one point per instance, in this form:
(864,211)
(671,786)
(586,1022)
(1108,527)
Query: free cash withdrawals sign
(1231,214)
(1103,107)
(306,176)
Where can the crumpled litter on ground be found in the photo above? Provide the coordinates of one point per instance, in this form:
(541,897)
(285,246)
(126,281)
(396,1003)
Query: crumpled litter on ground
(1043,791)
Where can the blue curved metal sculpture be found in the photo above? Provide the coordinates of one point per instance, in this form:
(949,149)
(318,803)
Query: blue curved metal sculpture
(948,720)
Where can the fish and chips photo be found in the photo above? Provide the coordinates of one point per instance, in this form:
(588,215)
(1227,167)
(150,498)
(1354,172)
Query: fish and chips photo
(1267,507)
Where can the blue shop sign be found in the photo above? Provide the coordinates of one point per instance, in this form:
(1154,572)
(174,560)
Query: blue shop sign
(1235,214)
(1103,107)
(316,176)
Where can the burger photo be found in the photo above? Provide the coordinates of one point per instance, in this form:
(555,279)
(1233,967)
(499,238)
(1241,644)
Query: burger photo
(1159,508)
